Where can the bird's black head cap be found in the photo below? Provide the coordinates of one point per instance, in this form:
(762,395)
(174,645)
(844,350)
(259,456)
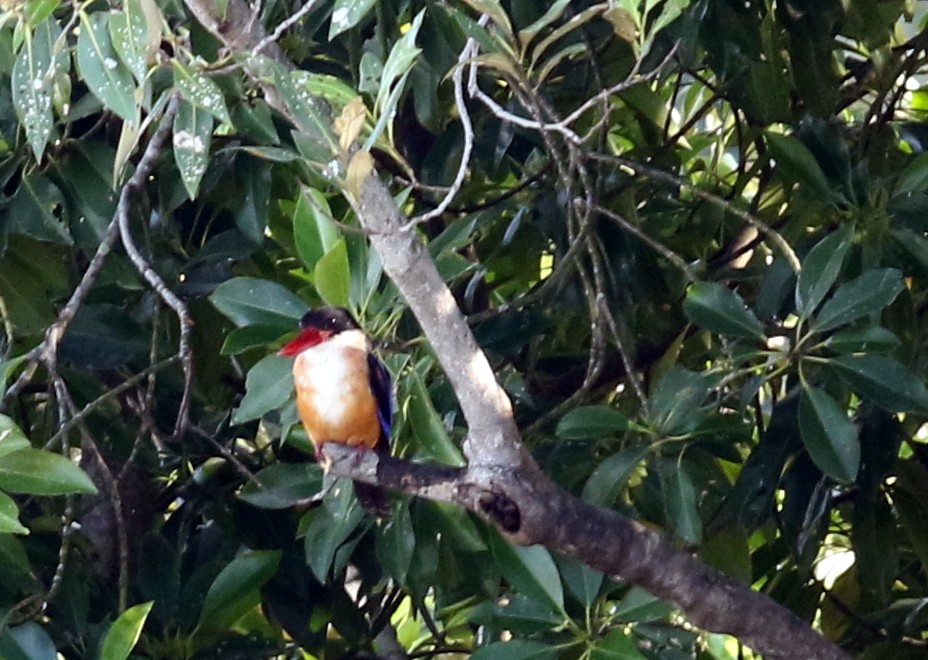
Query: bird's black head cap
(329,319)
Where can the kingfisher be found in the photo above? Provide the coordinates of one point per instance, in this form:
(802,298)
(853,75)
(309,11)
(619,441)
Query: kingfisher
(343,392)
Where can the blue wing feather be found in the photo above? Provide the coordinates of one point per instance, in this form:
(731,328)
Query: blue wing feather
(382,388)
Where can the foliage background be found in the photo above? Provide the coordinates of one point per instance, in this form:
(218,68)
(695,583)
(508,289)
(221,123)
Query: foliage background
(641,182)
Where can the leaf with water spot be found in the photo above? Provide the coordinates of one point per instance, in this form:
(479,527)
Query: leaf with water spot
(106,76)
(201,91)
(33,78)
(348,13)
(129,33)
(193,131)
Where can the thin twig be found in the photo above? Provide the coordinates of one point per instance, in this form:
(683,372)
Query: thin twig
(154,280)
(284,25)
(109,394)
(469,50)
(657,246)
(664,177)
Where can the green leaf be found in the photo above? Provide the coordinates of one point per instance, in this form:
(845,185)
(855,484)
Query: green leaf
(396,543)
(676,404)
(250,336)
(253,301)
(883,381)
(713,307)
(201,91)
(516,649)
(129,33)
(860,297)
(581,580)
(494,10)
(27,642)
(124,634)
(680,500)
(433,439)
(797,164)
(316,140)
(9,516)
(871,338)
(914,177)
(103,336)
(11,437)
(828,434)
(346,14)
(267,387)
(193,134)
(820,269)
(281,485)
(105,74)
(32,81)
(616,645)
(38,210)
(235,589)
(591,422)
(331,527)
(611,475)
(530,570)
(555,11)
(7,368)
(39,472)
(332,275)
(39,10)
(393,79)
(313,230)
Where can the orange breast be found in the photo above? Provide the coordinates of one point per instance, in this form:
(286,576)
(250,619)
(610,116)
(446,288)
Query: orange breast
(333,396)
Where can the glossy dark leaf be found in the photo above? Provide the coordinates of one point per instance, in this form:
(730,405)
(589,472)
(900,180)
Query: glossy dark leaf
(680,501)
(193,134)
(797,164)
(201,92)
(517,649)
(611,475)
(251,301)
(105,74)
(346,14)
(581,580)
(32,81)
(616,645)
(397,543)
(40,472)
(235,589)
(591,422)
(335,522)
(828,434)
(268,386)
(530,570)
(129,31)
(866,295)
(282,485)
(677,401)
(869,339)
(820,269)
(717,309)
(9,516)
(313,230)
(884,381)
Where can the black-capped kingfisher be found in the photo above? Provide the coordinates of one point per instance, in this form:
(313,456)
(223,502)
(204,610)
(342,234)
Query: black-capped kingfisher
(343,392)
